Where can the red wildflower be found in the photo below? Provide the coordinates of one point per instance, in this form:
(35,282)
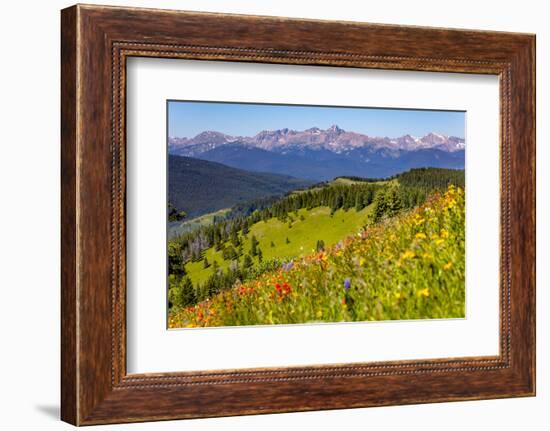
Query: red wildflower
(284,289)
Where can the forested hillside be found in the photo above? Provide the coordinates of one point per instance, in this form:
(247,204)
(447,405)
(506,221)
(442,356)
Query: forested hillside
(199,187)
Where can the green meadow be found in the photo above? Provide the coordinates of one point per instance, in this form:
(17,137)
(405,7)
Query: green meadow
(303,229)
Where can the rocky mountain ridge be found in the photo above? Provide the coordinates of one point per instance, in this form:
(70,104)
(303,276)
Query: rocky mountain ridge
(333,139)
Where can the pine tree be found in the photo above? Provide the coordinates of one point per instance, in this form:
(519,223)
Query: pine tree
(189,296)
(234,237)
(393,202)
(176,264)
(218,246)
(320,246)
(359,202)
(287,240)
(182,294)
(260,255)
(254,246)
(215,266)
(380,206)
(247,262)
(205,263)
(212,285)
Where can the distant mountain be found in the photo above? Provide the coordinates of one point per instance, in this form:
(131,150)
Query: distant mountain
(323,154)
(199,187)
(333,139)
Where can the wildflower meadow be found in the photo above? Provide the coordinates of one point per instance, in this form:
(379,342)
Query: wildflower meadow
(400,262)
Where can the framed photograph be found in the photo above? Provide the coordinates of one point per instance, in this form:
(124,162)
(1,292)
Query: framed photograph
(264,214)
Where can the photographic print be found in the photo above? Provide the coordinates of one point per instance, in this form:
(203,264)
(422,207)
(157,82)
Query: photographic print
(295,214)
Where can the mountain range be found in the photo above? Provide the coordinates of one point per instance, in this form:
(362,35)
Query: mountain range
(321,154)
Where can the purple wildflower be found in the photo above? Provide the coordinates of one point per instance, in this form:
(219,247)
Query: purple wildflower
(287,266)
(347,283)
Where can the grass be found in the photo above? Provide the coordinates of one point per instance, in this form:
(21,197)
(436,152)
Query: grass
(341,181)
(409,267)
(317,224)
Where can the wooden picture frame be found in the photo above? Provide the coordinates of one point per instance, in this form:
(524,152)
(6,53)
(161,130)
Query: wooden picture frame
(95,43)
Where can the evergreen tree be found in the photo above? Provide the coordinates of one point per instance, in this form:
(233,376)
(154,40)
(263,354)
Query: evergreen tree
(205,263)
(380,206)
(176,264)
(320,245)
(211,285)
(174,214)
(247,262)
(260,255)
(254,246)
(287,240)
(359,202)
(217,238)
(182,294)
(229,253)
(393,202)
(234,238)
(338,203)
(215,266)
(189,297)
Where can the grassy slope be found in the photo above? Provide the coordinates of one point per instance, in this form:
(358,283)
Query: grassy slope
(408,267)
(341,181)
(303,236)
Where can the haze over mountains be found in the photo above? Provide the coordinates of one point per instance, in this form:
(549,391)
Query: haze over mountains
(319,155)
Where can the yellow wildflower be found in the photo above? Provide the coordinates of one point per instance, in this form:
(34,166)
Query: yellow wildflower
(319,314)
(420,235)
(423,292)
(448,265)
(451,203)
(362,261)
(419,221)
(408,255)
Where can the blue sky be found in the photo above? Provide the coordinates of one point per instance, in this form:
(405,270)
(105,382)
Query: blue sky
(187,119)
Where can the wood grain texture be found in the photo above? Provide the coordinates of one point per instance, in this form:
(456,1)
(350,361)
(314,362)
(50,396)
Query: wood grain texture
(96,41)
(69,366)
